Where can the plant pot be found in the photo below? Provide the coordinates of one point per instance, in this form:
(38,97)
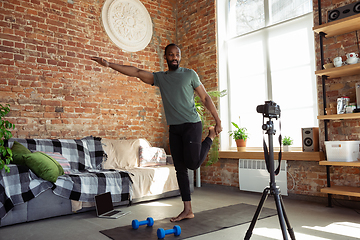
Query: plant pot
(241,145)
(287,148)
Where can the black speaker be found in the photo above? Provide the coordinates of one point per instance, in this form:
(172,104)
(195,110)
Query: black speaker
(343,12)
(310,139)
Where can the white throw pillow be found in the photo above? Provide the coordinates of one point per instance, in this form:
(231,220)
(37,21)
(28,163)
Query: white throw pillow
(152,156)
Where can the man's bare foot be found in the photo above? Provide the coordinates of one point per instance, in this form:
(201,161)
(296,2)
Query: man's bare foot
(212,133)
(183,215)
(186,213)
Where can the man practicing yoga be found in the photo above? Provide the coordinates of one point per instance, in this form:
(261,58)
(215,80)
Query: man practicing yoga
(177,87)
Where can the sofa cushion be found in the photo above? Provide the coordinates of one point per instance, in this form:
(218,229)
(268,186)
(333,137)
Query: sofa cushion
(64,163)
(18,151)
(122,154)
(152,156)
(43,166)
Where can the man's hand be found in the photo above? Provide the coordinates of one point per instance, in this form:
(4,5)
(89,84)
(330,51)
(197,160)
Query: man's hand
(101,61)
(218,129)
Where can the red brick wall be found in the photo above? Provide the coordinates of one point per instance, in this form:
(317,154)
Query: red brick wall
(224,172)
(196,34)
(56,91)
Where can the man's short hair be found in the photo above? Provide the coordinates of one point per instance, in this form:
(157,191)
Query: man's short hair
(170,45)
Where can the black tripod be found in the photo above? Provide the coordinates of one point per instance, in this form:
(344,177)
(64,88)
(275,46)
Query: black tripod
(272,190)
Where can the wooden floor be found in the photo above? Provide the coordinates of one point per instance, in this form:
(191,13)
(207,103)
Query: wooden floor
(309,220)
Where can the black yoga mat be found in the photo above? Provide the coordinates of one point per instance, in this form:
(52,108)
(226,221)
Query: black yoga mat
(204,222)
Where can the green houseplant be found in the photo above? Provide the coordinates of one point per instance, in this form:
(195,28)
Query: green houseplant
(5,152)
(214,150)
(287,142)
(240,135)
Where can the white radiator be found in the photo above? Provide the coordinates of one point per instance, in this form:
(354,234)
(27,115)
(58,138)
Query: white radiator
(254,177)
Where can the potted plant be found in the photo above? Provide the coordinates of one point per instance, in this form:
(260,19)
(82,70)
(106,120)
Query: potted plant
(5,152)
(240,136)
(287,142)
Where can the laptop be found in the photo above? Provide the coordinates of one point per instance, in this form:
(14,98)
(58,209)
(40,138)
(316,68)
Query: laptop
(105,208)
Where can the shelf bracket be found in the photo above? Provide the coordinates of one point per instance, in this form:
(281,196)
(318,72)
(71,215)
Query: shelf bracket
(328,185)
(319,12)
(322,35)
(323,78)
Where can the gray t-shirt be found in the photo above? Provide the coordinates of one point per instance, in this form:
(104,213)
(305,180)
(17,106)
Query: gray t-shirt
(177,93)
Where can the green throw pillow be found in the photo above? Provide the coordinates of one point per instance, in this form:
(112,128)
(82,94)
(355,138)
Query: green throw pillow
(18,151)
(43,166)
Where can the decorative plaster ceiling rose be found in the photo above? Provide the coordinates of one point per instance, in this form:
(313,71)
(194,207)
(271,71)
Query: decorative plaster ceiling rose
(127,23)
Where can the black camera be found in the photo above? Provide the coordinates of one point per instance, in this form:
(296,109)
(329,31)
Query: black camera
(270,109)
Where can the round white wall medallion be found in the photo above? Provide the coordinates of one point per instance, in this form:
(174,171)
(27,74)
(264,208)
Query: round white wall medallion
(127,23)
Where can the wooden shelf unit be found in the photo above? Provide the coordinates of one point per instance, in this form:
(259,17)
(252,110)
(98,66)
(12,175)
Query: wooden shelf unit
(339,116)
(342,190)
(343,71)
(339,27)
(328,30)
(339,164)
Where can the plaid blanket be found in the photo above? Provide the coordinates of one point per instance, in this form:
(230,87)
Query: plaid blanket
(86,178)
(19,186)
(84,186)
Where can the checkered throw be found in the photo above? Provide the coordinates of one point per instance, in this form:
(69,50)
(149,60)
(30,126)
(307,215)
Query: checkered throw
(86,178)
(19,186)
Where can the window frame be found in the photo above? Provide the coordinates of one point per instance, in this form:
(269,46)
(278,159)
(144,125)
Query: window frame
(224,81)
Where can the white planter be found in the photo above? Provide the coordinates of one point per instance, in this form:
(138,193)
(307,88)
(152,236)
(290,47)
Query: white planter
(287,148)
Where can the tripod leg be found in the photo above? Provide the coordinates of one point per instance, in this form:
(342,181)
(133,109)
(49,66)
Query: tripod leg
(280,214)
(257,213)
(290,229)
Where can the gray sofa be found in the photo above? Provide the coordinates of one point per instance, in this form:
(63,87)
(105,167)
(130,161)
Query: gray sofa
(56,199)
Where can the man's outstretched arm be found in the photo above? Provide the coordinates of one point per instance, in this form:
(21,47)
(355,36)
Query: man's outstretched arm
(145,76)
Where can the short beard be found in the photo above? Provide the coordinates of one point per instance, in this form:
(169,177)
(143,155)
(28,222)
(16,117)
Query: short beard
(172,67)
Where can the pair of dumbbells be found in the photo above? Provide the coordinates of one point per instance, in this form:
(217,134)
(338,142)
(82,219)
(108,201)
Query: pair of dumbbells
(176,230)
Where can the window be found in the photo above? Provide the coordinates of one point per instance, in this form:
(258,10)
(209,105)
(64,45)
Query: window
(267,54)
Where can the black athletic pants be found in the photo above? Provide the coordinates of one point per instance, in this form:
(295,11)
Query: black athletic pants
(187,151)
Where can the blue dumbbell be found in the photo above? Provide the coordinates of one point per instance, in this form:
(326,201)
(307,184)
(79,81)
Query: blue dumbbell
(149,221)
(176,231)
